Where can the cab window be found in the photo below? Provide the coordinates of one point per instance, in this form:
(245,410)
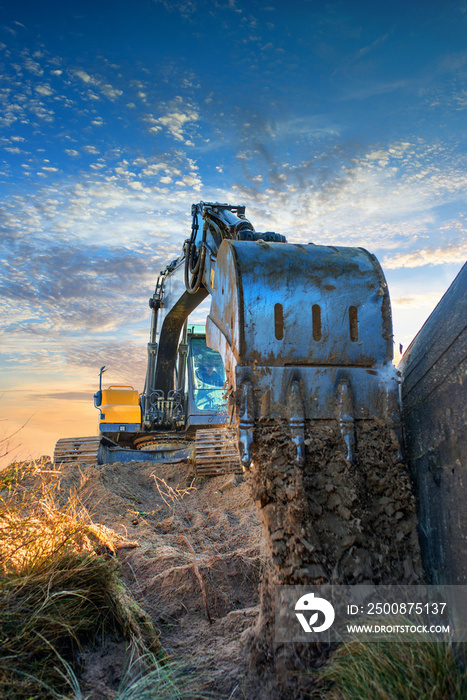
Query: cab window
(208,377)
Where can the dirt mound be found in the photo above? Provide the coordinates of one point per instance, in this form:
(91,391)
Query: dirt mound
(190,554)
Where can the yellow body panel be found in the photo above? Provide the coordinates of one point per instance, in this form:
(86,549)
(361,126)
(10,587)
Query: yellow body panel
(120,395)
(120,405)
(121,414)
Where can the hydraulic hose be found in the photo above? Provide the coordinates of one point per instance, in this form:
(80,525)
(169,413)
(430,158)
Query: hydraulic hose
(195,258)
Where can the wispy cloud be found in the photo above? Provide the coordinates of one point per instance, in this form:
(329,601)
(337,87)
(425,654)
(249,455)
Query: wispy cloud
(99,84)
(73,290)
(452,253)
(64,396)
(81,259)
(386,198)
(415,301)
(178,119)
(125,362)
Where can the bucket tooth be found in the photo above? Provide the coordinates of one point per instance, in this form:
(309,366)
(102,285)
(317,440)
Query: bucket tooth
(390,410)
(246,425)
(345,414)
(296,421)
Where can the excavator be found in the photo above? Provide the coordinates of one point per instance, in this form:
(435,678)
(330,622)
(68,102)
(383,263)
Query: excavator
(292,378)
(295,332)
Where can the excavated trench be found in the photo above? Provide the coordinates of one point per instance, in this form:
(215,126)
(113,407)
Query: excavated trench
(327,522)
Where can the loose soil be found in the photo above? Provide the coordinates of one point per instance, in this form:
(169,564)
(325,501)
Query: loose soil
(327,522)
(171,528)
(202,557)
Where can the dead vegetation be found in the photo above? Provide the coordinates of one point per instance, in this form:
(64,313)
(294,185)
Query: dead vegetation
(59,588)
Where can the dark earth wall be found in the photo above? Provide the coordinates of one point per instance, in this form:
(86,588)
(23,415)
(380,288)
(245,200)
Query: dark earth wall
(434,392)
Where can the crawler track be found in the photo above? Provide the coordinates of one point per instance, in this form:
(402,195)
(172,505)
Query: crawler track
(216,452)
(82,450)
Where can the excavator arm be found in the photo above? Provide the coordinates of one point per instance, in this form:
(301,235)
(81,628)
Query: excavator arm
(187,281)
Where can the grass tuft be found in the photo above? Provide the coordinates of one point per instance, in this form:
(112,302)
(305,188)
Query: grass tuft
(392,671)
(151,681)
(59,587)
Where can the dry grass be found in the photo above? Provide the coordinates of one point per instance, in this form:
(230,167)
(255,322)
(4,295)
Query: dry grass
(170,495)
(59,587)
(34,531)
(227,567)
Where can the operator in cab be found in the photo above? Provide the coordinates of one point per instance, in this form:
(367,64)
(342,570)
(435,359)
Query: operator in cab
(208,375)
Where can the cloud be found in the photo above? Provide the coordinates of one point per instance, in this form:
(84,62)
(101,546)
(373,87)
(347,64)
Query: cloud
(110,92)
(68,290)
(45,90)
(417,300)
(64,396)
(81,260)
(195,10)
(125,362)
(100,84)
(187,8)
(85,77)
(370,47)
(81,257)
(391,198)
(452,253)
(33,66)
(178,118)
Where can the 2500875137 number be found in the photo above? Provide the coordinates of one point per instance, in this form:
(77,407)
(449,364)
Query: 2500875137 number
(432,608)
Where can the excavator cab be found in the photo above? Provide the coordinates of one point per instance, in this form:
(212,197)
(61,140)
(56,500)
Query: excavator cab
(198,402)
(130,422)
(206,379)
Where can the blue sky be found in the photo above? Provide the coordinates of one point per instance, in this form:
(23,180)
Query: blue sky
(341,123)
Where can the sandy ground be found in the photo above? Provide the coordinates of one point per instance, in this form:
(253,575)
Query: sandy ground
(175,531)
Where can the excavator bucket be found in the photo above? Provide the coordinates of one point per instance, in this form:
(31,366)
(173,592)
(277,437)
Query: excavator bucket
(305,332)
